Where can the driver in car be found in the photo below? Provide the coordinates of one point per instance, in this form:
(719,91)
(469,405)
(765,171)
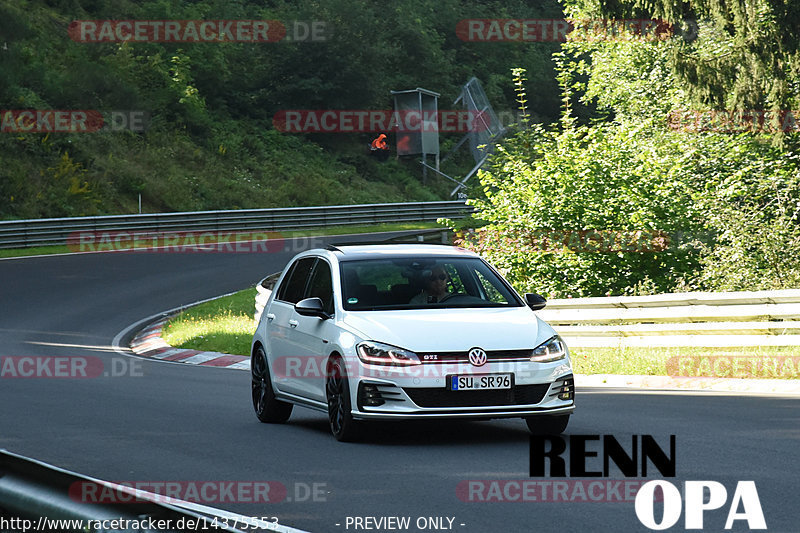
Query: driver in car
(435,287)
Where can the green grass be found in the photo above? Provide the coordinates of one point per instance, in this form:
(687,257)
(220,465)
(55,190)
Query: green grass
(766,362)
(35,250)
(321,232)
(222,325)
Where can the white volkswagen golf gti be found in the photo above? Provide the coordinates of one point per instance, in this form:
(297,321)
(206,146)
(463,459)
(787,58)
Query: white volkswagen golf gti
(406,331)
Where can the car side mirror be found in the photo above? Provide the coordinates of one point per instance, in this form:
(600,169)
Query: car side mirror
(535,301)
(311,307)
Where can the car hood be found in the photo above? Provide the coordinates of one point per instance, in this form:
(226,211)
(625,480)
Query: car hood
(425,330)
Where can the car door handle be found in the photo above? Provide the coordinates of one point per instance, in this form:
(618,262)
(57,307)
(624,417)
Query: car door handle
(293,323)
(270,316)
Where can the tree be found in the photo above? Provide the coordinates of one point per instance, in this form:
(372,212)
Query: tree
(733,55)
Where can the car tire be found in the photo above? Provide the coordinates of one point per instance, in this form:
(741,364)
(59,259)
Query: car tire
(547,425)
(337,392)
(268,408)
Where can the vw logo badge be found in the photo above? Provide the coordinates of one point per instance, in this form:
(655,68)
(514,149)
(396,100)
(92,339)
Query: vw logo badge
(477,357)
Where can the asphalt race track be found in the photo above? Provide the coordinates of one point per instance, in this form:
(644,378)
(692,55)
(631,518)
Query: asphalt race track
(173,422)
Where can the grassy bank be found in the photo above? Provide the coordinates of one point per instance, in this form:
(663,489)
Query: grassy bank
(222,325)
(762,362)
(193,126)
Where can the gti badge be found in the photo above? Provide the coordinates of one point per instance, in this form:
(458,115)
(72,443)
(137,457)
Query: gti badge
(477,357)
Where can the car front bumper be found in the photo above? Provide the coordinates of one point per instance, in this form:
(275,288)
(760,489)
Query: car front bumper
(422,392)
(476,413)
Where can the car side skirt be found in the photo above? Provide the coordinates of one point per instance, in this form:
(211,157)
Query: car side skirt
(303,402)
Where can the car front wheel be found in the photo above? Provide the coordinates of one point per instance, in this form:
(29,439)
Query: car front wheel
(547,425)
(267,407)
(337,391)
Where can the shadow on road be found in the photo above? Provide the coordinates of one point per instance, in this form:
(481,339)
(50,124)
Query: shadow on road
(430,432)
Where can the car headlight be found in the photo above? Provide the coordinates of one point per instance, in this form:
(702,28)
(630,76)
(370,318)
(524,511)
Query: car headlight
(377,353)
(552,349)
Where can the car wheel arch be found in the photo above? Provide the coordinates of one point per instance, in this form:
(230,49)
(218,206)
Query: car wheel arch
(335,354)
(256,346)
(254,351)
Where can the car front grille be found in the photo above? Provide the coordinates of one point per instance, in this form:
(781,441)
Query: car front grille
(463,357)
(440,397)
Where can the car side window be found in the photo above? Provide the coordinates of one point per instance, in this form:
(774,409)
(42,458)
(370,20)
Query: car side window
(490,291)
(293,287)
(321,285)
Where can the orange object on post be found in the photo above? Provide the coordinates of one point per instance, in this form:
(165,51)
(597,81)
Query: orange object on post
(380,143)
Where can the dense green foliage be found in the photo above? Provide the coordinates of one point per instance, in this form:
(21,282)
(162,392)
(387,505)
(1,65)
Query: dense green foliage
(722,210)
(682,212)
(211,142)
(741,55)
(704,210)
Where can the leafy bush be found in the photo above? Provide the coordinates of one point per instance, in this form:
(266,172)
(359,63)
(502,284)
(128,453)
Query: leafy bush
(588,211)
(698,211)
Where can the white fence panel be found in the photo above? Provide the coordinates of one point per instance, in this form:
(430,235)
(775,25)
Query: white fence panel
(752,318)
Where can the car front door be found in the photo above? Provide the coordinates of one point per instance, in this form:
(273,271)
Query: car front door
(281,322)
(312,335)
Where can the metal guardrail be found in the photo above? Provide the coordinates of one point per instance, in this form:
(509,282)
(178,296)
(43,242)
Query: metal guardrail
(34,491)
(753,318)
(54,231)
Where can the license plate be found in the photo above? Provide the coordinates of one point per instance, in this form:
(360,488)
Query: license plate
(480,382)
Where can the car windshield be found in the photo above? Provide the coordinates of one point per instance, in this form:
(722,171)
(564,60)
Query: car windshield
(422,282)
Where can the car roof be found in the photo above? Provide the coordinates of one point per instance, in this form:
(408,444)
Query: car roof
(345,252)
